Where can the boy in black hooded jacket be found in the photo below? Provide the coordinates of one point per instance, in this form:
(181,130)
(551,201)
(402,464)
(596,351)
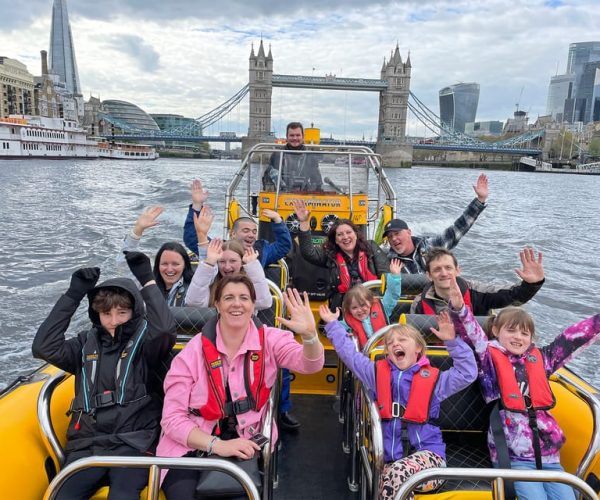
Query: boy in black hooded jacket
(114,411)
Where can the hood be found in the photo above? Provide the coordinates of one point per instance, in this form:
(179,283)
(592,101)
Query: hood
(129,328)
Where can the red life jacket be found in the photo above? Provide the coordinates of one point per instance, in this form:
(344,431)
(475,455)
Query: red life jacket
(429,308)
(511,396)
(363,270)
(419,399)
(257,393)
(377,317)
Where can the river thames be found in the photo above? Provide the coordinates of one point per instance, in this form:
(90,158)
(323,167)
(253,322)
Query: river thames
(58,216)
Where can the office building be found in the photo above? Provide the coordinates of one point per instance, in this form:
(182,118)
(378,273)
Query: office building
(560,89)
(16,88)
(487,128)
(458,105)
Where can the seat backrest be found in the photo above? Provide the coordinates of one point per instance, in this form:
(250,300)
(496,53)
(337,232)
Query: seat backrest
(424,322)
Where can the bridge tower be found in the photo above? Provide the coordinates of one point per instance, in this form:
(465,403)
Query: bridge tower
(393,106)
(261,89)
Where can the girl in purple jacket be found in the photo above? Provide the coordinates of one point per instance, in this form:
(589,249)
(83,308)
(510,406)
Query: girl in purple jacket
(405,352)
(512,347)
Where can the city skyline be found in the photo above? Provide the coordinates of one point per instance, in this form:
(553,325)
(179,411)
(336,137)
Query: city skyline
(188,57)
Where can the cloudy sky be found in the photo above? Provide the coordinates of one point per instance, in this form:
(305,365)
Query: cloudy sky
(186,57)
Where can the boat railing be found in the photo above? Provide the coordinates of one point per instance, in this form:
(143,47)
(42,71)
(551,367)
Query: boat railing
(497,477)
(155,466)
(44,415)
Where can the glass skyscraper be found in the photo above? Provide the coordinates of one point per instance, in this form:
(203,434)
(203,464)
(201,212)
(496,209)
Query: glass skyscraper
(458,105)
(62,51)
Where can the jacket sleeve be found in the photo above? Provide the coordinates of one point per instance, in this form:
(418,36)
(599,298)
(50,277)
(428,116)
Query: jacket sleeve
(393,290)
(462,373)
(514,295)
(176,421)
(130,244)
(361,366)
(162,332)
(575,338)
(289,353)
(256,273)
(452,235)
(279,248)
(198,290)
(189,231)
(380,259)
(416,307)
(50,343)
(314,255)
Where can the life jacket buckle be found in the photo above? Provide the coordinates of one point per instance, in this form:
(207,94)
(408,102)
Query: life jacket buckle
(104,399)
(397,410)
(238,407)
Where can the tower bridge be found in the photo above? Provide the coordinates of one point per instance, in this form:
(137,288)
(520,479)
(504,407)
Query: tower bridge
(396,99)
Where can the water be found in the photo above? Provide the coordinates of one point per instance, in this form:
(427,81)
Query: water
(61,215)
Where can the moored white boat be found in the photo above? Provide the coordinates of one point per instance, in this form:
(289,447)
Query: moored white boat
(126,151)
(24,136)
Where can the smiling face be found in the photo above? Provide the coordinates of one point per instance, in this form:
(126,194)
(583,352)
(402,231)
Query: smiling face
(295,137)
(359,309)
(345,239)
(229,263)
(402,349)
(443,272)
(235,306)
(245,232)
(401,242)
(115,317)
(514,338)
(171,267)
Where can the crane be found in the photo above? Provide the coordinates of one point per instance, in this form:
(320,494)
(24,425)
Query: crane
(519,99)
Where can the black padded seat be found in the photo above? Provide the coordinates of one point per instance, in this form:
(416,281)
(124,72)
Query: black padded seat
(464,423)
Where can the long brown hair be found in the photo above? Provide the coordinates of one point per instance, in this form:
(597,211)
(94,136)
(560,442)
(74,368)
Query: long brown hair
(361,242)
(233,246)
(511,316)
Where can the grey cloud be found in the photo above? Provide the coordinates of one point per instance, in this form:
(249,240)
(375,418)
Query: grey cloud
(146,57)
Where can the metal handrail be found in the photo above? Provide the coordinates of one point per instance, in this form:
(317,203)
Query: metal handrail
(155,464)
(497,477)
(594,403)
(44,416)
(371,473)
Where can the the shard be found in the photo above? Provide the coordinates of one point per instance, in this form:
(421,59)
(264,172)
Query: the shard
(62,50)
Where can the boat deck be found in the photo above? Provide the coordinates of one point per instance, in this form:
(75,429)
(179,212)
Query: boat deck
(312,463)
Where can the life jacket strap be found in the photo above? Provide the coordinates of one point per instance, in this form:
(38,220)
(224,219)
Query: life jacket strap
(105,399)
(238,407)
(398,410)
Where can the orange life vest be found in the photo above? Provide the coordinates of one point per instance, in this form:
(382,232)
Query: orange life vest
(419,399)
(376,316)
(257,393)
(540,394)
(363,270)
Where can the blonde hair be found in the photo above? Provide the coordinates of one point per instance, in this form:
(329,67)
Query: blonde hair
(357,293)
(405,331)
(511,316)
(233,246)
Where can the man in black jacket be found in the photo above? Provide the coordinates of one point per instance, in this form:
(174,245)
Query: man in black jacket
(442,269)
(114,411)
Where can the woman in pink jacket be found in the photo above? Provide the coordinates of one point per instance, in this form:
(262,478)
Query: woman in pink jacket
(208,376)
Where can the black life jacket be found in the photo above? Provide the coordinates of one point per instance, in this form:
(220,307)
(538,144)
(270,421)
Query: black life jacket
(419,399)
(376,316)
(129,385)
(257,393)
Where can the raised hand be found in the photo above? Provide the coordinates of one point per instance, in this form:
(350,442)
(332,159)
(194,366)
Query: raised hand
(199,194)
(326,315)
(455,296)
(301,210)
(239,447)
(214,251)
(203,223)
(140,266)
(249,255)
(273,215)
(396,266)
(147,219)
(301,319)
(445,327)
(533,270)
(83,281)
(481,188)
